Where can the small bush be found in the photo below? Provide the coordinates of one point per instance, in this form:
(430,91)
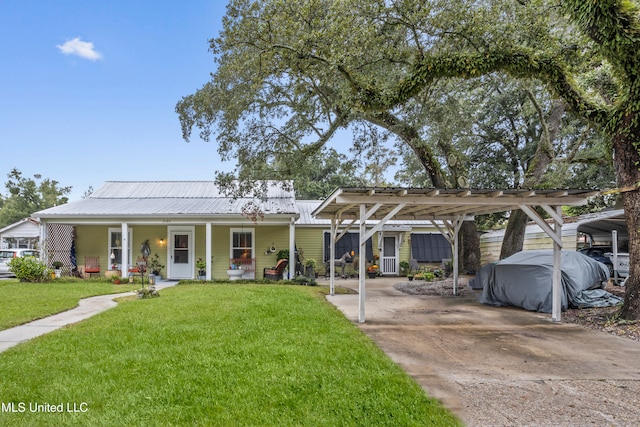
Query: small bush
(148,292)
(304,280)
(29,269)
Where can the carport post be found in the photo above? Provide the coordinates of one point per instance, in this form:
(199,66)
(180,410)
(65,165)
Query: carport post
(556,306)
(332,257)
(556,235)
(457,224)
(362,263)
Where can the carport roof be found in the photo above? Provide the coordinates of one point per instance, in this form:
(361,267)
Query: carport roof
(441,203)
(451,206)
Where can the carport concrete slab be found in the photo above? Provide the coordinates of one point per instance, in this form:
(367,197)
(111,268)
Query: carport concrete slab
(501,366)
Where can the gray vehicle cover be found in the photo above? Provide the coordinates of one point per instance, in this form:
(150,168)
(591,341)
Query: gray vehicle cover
(525,279)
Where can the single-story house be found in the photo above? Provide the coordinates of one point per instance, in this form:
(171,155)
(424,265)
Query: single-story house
(22,234)
(187,221)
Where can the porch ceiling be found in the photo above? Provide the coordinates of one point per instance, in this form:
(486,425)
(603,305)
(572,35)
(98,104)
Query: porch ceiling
(434,203)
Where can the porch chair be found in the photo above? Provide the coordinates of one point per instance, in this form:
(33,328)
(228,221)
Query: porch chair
(91,265)
(414,266)
(276,272)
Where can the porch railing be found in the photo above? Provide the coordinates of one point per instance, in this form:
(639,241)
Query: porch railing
(247,264)
(389,265)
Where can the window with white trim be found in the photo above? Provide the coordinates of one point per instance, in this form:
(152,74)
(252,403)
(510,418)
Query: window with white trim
(242,247)
(115,248)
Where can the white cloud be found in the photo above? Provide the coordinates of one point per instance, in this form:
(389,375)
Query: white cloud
(79,48)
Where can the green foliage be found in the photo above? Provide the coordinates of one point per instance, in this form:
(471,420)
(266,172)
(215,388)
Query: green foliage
(27,196)
(404,267)
(304,280)
(148,292)
(29,269)
(282,254)
(156,268)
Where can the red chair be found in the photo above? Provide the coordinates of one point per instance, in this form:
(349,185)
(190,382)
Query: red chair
(91,265)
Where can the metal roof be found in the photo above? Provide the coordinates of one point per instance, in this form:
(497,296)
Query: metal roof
(169,198)
(435,203)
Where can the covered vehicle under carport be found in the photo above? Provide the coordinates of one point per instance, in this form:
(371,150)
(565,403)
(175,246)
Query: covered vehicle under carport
(525,279)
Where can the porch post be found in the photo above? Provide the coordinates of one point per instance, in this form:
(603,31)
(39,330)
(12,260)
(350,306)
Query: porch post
(293,258)
(125,250)
(208,250)
(43,242)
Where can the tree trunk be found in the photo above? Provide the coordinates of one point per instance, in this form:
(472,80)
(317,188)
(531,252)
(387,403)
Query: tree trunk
(514,234)
(627,161)
(469,253)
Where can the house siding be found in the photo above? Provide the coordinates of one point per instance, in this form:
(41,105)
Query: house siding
(491,243)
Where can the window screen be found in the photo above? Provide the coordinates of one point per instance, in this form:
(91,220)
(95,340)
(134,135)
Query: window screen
(349,242)
(429,247)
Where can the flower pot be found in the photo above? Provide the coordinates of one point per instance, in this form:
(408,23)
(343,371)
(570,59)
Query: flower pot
(235,274)
(372,275)
(57,272)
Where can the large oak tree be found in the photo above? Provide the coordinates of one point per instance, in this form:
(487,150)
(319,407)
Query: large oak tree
(291,75)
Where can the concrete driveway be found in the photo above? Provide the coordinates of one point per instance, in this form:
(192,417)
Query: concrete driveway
(496,366)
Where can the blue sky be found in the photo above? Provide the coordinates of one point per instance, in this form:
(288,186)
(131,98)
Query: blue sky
(88,89)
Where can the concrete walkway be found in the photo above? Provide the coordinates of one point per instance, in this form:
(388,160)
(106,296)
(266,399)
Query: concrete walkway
(86,308)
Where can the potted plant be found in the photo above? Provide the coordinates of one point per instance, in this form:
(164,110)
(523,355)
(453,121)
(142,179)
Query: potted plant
(155,267)
(57,268)
(116,280)
(310,268)
(410,277)
(372,271)
(201,265)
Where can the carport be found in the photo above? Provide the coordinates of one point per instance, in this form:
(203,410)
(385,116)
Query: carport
(446,209)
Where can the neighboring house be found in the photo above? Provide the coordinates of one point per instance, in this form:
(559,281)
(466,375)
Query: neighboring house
(22,234)
(577,232)
(187,221)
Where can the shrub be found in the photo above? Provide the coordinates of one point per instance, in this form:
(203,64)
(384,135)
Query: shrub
(29,269)
(404,267)
(304,280)
(148,292)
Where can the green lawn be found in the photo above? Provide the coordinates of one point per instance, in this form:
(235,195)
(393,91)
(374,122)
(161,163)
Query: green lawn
(256,355)
(24,302)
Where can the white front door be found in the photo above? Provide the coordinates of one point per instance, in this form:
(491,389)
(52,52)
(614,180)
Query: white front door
(389,255)
(181,254)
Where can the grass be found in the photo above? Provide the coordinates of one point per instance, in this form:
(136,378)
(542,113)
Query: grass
(255,355)
(24,302)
